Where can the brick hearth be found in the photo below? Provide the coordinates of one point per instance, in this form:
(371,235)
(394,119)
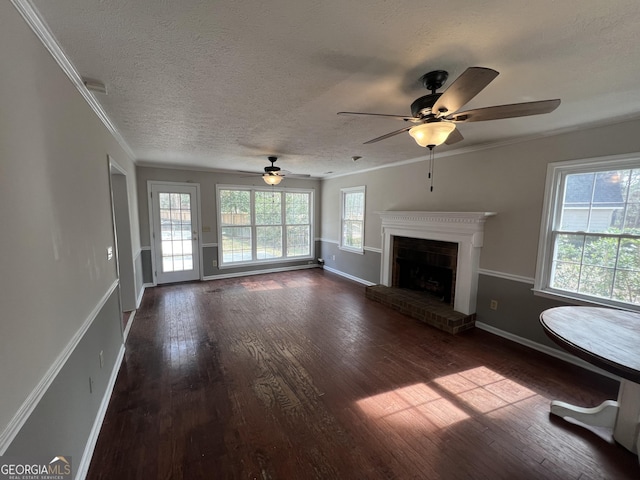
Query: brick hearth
(422,307)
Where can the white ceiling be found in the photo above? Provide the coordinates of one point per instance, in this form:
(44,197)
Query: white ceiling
(223,84)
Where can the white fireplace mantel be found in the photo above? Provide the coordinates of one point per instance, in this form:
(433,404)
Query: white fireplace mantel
(464,228)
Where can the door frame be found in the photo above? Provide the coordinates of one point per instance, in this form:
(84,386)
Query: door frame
(150,184)
(123,251)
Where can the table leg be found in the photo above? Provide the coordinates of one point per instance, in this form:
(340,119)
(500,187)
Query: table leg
(604,415)
(626,431)
(623,416)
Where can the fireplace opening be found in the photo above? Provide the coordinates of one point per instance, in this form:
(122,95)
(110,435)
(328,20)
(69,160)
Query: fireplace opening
(427,266)
(436,281)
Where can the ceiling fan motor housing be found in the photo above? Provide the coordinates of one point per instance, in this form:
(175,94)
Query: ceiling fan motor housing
(271,169)
(422,106)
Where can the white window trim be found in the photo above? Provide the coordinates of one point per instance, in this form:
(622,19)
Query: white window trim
(343,192)
(251,188)
(552,195)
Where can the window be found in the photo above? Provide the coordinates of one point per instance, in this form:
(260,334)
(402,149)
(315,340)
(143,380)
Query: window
(263,225)
(352,215)
(590,239)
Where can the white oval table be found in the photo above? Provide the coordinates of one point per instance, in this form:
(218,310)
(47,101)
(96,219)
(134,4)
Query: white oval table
(609,339)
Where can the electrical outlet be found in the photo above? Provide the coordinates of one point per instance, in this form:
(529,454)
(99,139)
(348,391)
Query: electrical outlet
(214,263)
(101,356)
(333,257)
(493,305)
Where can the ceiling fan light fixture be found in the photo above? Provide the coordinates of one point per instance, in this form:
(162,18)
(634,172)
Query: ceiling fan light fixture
(271,178)
(432,134)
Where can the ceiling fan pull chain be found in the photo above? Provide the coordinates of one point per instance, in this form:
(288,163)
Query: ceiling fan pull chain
(431,165)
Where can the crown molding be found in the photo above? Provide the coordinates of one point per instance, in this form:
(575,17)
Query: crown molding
(40,28)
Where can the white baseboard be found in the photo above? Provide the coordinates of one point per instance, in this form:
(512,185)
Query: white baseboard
(350,277)
(258,272)
(565,356)
(83,468)
(140,295)
(125,334)
(32,400)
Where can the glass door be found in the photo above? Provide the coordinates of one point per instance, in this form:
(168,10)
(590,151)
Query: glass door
(175,232)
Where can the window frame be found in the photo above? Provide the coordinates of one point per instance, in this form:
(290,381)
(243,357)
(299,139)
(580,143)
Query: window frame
(551,211)
(253,226)
(343,193)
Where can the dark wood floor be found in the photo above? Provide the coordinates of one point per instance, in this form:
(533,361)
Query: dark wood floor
(297,376)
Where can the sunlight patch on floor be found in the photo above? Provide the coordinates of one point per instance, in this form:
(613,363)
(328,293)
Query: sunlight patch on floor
(447,400)
(409,405)
(483,389)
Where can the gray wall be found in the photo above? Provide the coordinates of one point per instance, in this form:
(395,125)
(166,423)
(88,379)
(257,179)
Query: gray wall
(509,180)
(63,418)
(56,227)
(208,181)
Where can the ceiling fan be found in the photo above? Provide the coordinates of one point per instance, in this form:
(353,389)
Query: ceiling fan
(434,116)
(273,175)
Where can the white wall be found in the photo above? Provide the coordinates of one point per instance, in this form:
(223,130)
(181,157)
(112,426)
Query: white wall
(54,209)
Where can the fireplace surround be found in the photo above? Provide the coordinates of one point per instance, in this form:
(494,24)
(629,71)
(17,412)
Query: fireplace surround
(466,229)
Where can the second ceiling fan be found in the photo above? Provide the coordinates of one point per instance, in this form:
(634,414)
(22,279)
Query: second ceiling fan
(434,116)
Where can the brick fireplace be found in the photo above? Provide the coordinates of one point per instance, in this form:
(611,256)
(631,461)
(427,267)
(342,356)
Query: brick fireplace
(440,253)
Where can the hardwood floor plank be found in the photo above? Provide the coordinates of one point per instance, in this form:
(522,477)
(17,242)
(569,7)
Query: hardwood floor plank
(297,375)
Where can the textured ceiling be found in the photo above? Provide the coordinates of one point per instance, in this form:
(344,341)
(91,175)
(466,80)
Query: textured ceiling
(223,84)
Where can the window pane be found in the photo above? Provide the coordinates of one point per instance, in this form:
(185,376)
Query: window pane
(268,208)
(577,199)
(236,244)
(235,207)
(297,208)
(298,240)
(601,251)
(354,206)
(566,276)
(629,254)
(569,247)
(608,201)
(596,281)
(627,286)
(352,234)
(268,242)
(632,219)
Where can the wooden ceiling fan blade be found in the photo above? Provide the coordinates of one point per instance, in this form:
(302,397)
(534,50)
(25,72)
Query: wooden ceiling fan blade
(388,135)
(454,137)
(397,117)
(506,111)
(472,81)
